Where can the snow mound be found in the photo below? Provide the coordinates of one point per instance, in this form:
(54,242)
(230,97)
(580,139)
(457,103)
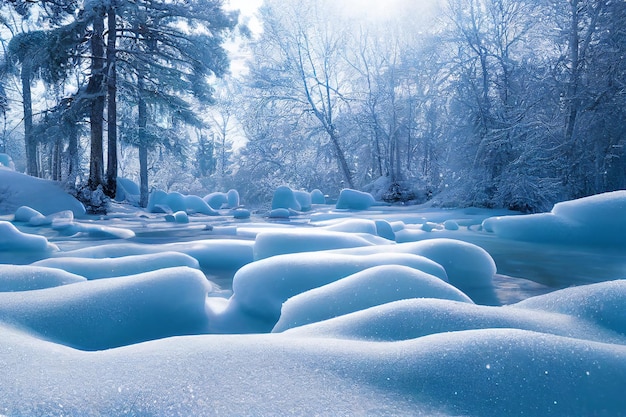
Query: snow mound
(92,230)
(468,267)
(112,312)
(418,317)
(304,199)
(127,190)
(273,243)
(31,216)
(354,200)
(212,254)
(598,220)
(162,202)
(26,278)
(602,304)
(284,198)
(6,162)
(45,196)
(317,197)
(178,217)
(260,288)
(11,239)
(96,268)
(370,287)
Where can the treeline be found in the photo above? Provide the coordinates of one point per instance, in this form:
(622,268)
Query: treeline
(493,103)
(136,69)
(503,103)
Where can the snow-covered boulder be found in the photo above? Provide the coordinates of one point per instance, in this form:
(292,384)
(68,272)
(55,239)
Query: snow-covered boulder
(317,197)
(284,198)
(354,200)
(304,199)
(178,217)
(216,200)
(232,197)
(26,278)
(365,289)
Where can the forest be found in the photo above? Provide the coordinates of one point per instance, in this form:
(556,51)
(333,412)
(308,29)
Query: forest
(489,103)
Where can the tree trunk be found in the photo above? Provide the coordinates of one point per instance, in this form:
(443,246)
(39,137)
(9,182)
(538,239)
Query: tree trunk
(30,142)
(143,153)
(96,93)
(111,173)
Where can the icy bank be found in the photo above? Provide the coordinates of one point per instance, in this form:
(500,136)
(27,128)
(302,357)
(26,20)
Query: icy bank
(599,220)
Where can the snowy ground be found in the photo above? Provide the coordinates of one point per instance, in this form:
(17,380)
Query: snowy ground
(382,311)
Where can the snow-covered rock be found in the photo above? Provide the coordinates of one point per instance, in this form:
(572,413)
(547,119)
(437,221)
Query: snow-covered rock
(354,200)
(317,197)
(284,198)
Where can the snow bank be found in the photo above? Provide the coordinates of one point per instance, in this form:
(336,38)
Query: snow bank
(11,239)
(45,196)
(92,230)
(112,312)
(598,220)
(354,200)
(260,288)
(370,287)
(96,268)
(25,278)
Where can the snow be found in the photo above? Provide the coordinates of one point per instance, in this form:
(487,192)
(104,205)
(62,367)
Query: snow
(370,287)
(597,220)
(44,196)
(13,239)
(285,198)
(27,277)
(95,268)
(373,315)
(354,200)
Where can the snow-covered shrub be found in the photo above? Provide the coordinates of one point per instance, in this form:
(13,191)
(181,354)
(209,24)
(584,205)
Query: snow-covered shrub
(95,201)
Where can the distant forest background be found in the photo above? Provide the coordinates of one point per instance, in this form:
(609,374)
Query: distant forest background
(490,103)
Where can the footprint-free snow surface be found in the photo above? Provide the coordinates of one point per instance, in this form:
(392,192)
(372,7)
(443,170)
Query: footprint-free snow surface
(361,310)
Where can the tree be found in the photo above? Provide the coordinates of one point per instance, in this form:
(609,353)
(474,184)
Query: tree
(299,63)
(166,66)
